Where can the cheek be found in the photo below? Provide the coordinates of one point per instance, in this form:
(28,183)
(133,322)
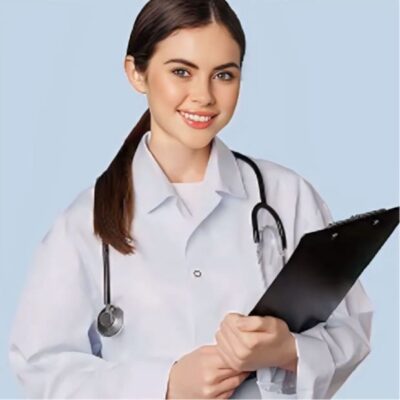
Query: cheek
(228,97)
(167,90)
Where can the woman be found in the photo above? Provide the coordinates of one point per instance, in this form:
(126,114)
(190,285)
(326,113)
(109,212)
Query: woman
(174,208)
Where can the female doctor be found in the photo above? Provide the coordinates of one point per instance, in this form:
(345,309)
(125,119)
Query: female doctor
(173,211)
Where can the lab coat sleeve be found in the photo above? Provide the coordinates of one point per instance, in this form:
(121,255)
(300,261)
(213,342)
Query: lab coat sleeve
(49,347)
(329,352)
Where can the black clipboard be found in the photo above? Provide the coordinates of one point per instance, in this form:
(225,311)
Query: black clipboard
(323,268)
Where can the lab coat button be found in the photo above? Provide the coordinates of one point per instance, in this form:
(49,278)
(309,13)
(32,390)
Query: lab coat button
(197,273)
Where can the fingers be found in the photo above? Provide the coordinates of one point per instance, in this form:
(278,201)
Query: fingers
(226,351)
(229,385)
(233,334)
(235,345)
(255,323)
(225,373)
(241,342)
(219,362)
(225,395)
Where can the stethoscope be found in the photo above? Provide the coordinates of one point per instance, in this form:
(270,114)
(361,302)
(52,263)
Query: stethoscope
(110,320)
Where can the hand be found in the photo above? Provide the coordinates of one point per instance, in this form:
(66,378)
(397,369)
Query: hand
(203,374)
(259,342)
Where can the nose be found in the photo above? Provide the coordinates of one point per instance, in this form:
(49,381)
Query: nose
(201,92)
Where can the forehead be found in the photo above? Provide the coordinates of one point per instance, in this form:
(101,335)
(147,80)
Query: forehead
(208,45)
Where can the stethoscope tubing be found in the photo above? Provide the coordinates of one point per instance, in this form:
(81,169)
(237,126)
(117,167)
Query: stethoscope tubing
(110,319)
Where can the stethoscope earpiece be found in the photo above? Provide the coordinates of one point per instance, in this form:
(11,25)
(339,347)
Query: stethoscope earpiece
(110,321)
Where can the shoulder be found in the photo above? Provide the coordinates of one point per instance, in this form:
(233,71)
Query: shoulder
(80,209)
(81,204)
(288,188)
(277,172)
(278,176)
(76,218)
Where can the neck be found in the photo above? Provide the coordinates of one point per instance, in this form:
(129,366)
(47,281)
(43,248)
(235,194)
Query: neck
(180,163)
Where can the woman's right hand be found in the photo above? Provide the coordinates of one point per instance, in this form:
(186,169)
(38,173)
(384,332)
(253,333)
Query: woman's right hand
(203,374)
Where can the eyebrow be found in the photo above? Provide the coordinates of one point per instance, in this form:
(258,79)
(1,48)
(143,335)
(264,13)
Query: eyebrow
(190,64)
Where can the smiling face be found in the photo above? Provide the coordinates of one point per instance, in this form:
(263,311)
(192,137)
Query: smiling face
(196,83)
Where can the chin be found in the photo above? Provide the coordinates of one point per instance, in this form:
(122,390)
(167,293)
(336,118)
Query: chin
(198,142)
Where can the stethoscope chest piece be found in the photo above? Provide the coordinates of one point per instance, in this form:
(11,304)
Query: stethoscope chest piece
(110,321)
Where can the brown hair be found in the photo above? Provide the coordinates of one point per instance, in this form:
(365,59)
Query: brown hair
(113,192)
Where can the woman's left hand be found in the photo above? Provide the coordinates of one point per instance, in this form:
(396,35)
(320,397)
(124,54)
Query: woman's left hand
(248,343)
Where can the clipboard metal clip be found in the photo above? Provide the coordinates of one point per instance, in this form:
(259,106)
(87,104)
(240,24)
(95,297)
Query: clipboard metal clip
(357,217)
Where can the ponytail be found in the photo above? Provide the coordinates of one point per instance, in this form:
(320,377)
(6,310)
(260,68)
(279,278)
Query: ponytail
(157,20)
(114,194)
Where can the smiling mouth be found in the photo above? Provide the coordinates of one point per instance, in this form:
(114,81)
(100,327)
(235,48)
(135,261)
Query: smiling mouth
(197,124)
(198,115)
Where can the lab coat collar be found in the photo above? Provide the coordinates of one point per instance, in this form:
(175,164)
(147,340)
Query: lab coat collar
(152,187)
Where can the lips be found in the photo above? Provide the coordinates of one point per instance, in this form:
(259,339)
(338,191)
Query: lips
(200,113)
(196,124)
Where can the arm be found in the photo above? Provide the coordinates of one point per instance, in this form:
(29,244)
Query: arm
(329,352)
(52,338)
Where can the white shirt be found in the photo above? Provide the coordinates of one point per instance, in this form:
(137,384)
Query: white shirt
(191,195)
(186,275)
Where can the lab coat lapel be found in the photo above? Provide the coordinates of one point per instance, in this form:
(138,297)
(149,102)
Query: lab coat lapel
(153,190)
(151,186)
(222,177)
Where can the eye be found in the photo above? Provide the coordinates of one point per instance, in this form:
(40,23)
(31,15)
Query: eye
(179,69)
(227,74)
(174,71)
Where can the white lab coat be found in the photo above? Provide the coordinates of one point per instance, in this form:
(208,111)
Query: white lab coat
(169,309)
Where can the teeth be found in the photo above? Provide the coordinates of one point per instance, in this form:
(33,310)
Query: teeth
(195,117)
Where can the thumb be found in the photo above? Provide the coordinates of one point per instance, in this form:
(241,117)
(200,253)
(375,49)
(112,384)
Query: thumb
(252,323)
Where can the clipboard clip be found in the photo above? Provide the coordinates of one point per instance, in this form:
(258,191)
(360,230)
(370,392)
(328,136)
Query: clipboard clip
(357,217)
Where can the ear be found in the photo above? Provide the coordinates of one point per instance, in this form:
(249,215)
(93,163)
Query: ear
(135,78)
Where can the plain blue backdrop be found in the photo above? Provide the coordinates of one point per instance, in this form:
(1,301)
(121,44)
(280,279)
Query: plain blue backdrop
(319,95)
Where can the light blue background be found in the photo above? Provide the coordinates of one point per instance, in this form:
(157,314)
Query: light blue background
(319,95)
